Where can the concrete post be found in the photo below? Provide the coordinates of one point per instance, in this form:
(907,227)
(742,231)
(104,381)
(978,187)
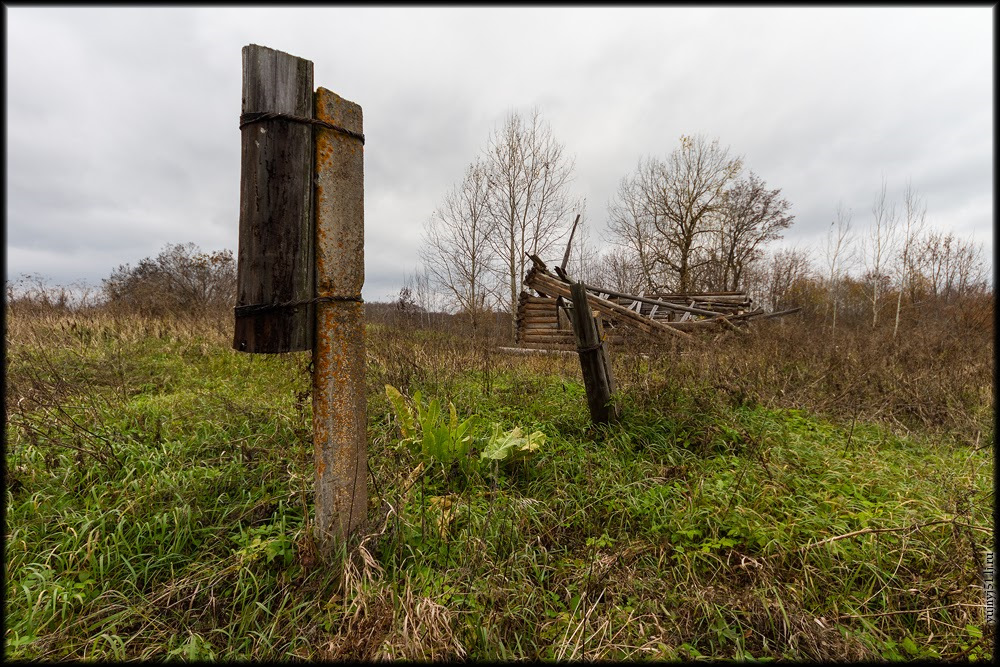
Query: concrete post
(339,400)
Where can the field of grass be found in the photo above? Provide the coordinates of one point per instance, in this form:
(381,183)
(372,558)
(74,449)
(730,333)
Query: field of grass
(769,500)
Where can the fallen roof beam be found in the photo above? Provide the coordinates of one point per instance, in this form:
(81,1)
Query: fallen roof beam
(653,302)
(539,279)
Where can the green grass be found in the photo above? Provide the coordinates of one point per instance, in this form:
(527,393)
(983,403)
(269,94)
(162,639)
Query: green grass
(159,492)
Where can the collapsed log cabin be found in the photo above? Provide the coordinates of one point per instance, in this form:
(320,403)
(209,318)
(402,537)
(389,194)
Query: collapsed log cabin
(544,318)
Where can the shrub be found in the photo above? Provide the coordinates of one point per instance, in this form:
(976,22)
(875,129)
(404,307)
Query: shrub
(181,280)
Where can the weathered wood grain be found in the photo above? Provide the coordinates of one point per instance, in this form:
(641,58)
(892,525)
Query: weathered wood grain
(597,378)
(275,257)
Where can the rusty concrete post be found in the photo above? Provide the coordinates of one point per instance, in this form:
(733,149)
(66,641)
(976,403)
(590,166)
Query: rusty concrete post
(339,400)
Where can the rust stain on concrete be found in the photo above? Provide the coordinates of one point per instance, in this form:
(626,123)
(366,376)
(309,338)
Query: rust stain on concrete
(339,400)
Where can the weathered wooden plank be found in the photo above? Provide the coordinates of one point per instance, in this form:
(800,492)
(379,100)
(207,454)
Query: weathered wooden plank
(597,378)
(766,316)
(536,350)
(569,243)
(528,325)
(697,295)
(549,346)
(553,335)
(275,257)
(624,315)
(600,291)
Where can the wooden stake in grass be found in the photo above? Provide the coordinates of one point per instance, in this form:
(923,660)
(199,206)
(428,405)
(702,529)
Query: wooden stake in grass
(597,377)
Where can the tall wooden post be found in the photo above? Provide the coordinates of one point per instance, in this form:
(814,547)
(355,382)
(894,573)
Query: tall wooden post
(274,265)
(339,400)
(597,377)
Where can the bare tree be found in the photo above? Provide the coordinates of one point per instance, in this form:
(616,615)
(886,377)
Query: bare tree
(584,257)
(528,173)
(914,218)
(971,275)
(691,186)
(422,293)
(838,254)
(672,203)
(933,259)
(456,251)
(621,272)
(788,267)
(750,216)
(879,248)
(951,268)
(631,221)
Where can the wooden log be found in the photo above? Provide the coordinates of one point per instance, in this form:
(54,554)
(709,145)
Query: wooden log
(627,316)
(569,243)
(552,344)
(624,315)
(745,316)
(275,263)
(664,304)
(597,377)
(547,336)
(527,325)
(549,346)
(767,316)
(535,350)
(685,296)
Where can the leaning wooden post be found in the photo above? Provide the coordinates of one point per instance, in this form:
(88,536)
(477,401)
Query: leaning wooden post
(597,377)
(339,400)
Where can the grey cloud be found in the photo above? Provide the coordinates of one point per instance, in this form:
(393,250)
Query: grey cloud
(122,122)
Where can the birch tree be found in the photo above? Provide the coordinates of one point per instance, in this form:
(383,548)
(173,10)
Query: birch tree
(879,247)
(838,253)
(456,250)
(914,218)
(528,173)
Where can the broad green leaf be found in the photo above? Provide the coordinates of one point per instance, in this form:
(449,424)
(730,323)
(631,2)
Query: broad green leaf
(511,444)
(403,412)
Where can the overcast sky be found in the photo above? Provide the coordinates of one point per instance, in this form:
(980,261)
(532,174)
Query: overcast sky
(122,122)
